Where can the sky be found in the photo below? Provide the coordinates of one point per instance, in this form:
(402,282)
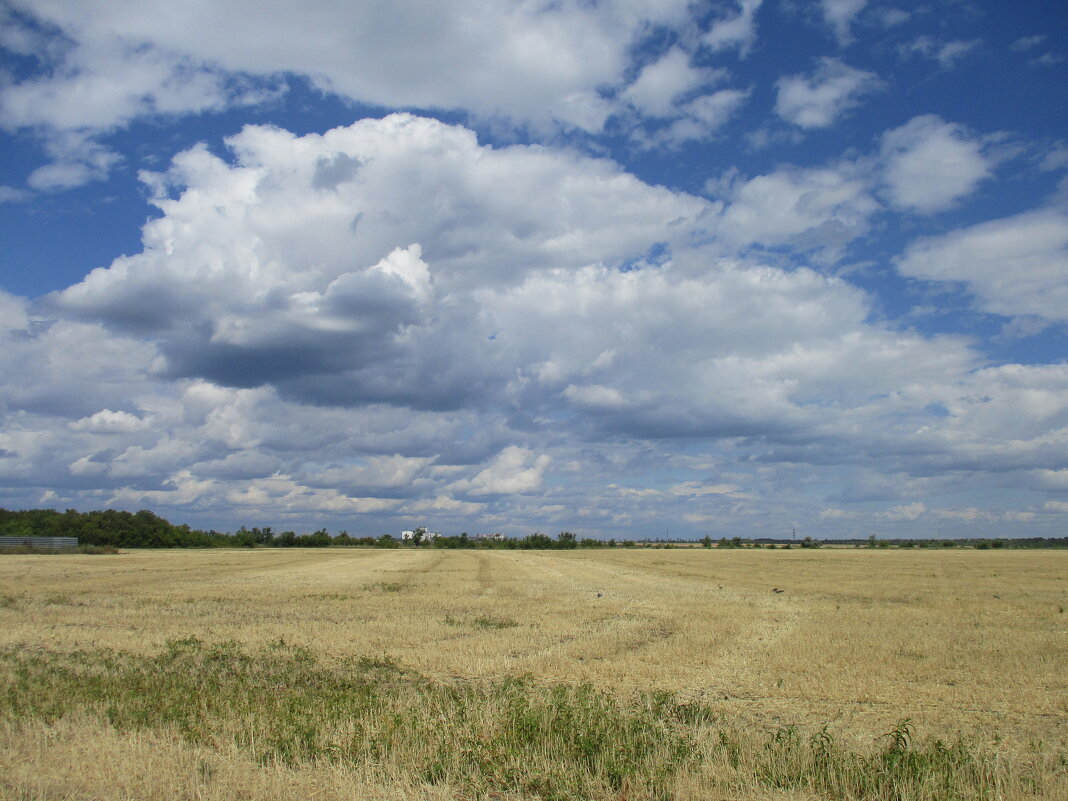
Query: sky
(644,268)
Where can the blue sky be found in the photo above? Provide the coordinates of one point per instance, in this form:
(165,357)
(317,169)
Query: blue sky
(624,268)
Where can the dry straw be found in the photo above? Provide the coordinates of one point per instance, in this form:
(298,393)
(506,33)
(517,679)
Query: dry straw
(589,674)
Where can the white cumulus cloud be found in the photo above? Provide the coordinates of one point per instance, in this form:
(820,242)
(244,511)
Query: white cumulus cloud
(107,63)
(839,14)
(738,30)
(946,53)
(930,164)
(108,422)
(1014,266)
(515,470)
(910,511)
(817,100)
(820,208)
(393,321)
(660,83)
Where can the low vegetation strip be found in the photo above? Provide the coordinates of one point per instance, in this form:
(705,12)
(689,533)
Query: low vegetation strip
(283,706)
(111,528)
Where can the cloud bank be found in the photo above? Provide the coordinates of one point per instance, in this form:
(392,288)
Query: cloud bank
(520,265)
(393,318)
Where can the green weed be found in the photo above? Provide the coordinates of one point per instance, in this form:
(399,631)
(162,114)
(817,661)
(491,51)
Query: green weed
(482,622)
(902,769)
(283,704)
(98,550)
(388,586)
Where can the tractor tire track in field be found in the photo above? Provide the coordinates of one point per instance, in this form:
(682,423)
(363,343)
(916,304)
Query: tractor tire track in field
(662,611)
(596,615)
(432,564)
(485,574)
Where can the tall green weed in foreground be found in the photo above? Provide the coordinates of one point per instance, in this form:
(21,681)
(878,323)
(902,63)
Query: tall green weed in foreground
(284,705)
(899,769)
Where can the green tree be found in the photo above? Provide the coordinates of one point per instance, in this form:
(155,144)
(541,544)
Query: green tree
(536,541)
(343,538)
(287,539)
(244,538)
(319,539)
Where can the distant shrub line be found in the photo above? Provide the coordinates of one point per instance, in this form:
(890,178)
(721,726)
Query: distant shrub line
(109,529)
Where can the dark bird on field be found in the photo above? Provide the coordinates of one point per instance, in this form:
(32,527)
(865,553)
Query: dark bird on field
(776,589)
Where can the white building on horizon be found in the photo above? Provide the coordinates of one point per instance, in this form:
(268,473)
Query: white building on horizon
(427,535)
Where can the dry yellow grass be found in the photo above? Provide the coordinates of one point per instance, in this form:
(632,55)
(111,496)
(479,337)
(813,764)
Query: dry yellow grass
(962,642)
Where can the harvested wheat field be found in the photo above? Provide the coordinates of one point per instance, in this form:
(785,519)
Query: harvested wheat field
(601,674)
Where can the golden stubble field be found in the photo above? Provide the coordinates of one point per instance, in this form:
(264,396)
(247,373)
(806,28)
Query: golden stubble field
(971,643)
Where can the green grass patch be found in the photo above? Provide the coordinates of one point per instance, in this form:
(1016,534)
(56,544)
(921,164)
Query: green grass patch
(388,586)
(482,622)
(284,704)
(58,599)
(98,550)
(899,768)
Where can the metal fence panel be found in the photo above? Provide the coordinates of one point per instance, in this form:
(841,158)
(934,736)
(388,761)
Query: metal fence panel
(42,543)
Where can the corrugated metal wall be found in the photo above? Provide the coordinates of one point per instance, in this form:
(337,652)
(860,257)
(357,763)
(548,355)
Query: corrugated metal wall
(44,543)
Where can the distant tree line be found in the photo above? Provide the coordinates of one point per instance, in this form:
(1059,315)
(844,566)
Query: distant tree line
(108,527)
(145,529)
(981,543)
